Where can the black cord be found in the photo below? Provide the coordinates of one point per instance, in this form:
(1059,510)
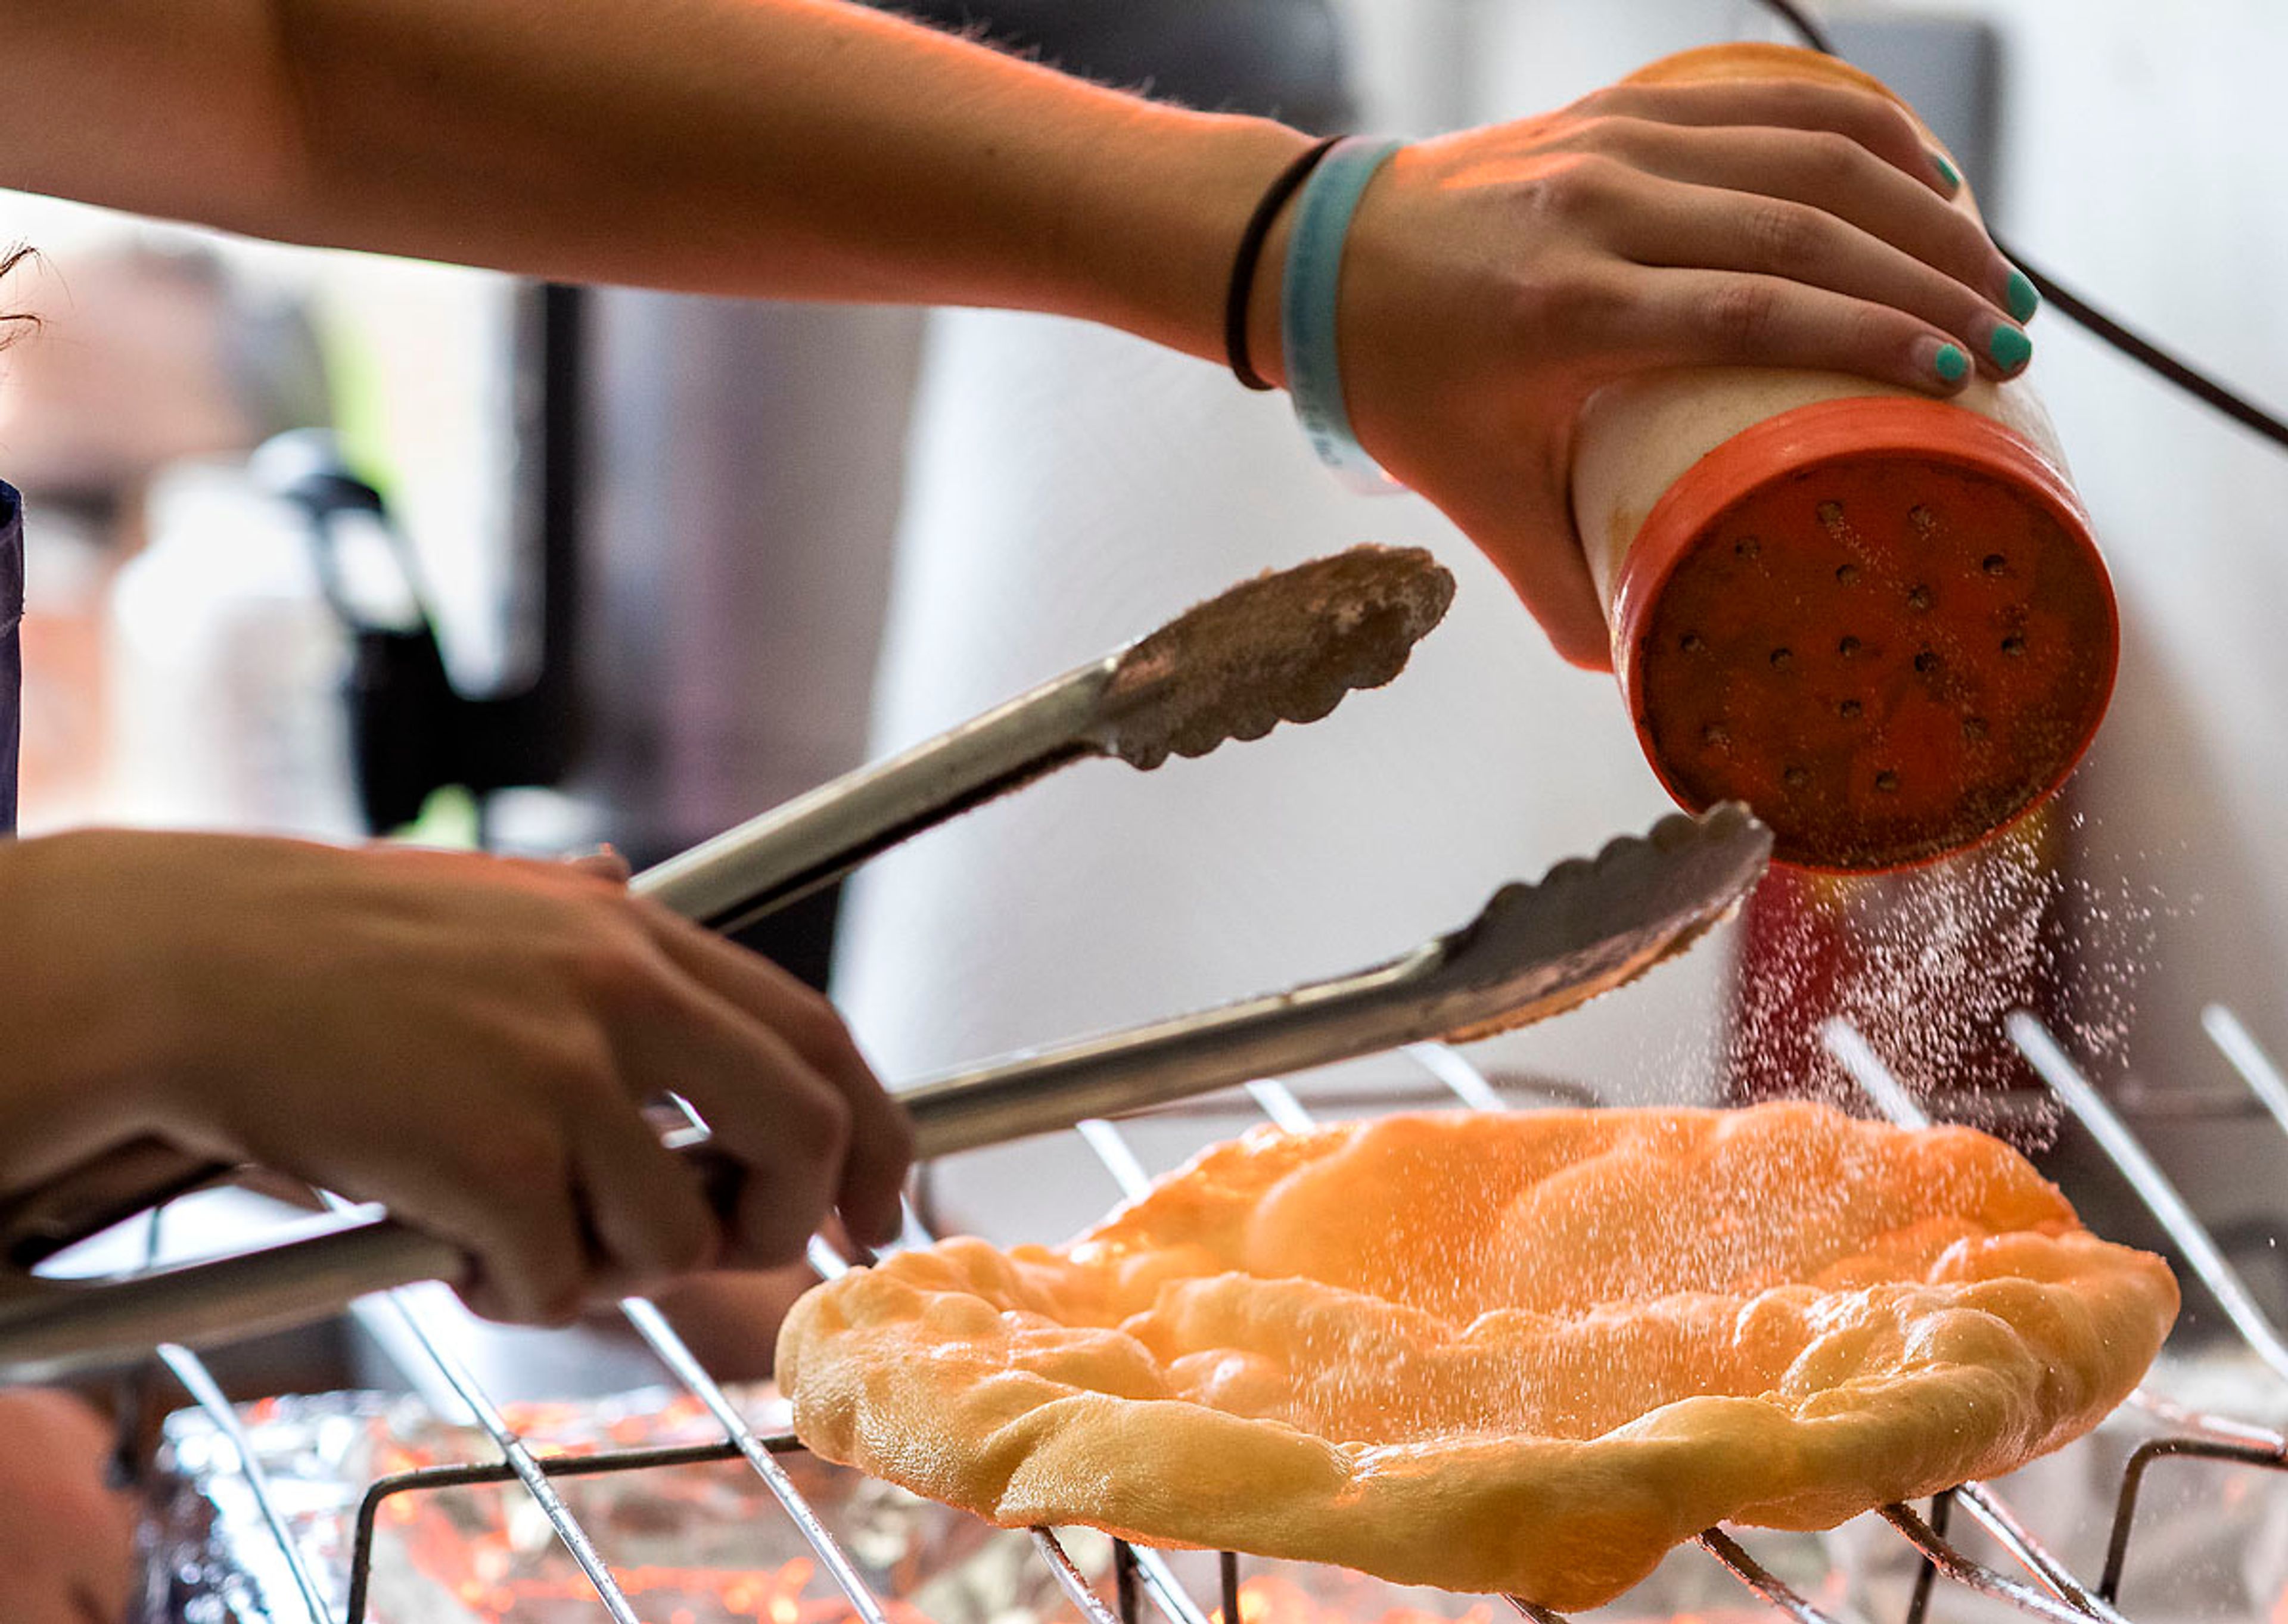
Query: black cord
(2143,350)
(1802,23)
(1252,239)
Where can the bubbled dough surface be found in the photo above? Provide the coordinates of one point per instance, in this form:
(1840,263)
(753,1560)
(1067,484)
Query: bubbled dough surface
(1524,1352)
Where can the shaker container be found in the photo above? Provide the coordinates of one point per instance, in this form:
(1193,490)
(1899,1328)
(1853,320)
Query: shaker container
(1878,618)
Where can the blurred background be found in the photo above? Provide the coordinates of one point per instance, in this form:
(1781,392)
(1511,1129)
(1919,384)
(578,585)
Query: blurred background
(535,568)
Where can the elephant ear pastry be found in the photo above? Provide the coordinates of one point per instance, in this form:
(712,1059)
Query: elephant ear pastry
(1522,1354)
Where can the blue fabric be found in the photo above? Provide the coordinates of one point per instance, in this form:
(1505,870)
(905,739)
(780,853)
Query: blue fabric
(1307,305)
(11,661)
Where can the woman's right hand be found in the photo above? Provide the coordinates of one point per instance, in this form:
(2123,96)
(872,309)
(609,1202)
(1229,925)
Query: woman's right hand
(467,1039)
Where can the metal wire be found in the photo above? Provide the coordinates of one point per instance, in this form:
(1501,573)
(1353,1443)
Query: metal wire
(1857,1056)
(1119,1158)
(1450,1067)
(199,1382)
(1124,1580)
(1978,1576)
(1927,1571)
(406,1306)
(1159,1581)
(2037,1044)
(660,1336)
(2133,1480)
(2239,1046)
(1277,1101)
(653,1328)
(1071,1580)
(191,1371)
(383,1489)
(569,1532)
(1759,1579)
(2003,1523)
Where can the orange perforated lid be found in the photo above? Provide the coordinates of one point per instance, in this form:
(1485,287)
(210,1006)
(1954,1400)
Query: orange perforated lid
(1882,622)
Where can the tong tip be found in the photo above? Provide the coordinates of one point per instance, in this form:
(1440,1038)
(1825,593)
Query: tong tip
(1285,646)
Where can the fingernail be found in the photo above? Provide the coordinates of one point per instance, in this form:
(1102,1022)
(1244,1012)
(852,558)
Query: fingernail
(1947,173)
(2010,348)
(1951,363)
(2022,297)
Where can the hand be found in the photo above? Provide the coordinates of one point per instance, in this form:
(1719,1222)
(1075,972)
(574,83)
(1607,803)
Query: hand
(466,1039)
(1496,279)
(67,1540)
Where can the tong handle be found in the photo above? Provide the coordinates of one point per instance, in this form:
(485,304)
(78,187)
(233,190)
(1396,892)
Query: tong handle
(1533,951)
(784,854)
(51,1327)
(726,882)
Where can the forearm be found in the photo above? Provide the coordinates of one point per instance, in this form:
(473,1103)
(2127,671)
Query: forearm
(794,148)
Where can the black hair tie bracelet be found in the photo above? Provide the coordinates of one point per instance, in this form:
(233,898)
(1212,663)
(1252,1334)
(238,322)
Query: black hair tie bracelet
(1251,251)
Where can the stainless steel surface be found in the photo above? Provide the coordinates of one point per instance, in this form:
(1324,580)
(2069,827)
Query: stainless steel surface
(1535,951)
(1343,622)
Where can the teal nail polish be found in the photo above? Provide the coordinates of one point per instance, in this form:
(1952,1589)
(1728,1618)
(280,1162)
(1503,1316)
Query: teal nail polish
(1947,172)
(1952,363)
(2010,348)
(2022,299)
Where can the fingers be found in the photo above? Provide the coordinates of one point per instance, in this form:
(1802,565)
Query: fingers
(1875,122)
(680,1021)
(770,1111)
(1723,317)
(1516,531)
(1704,229)
(500,1188)
(646,1219)
(1829,173)
(515,1215)
(879,1141)
(604,863)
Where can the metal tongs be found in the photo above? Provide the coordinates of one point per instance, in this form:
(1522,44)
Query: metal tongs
(1290,647)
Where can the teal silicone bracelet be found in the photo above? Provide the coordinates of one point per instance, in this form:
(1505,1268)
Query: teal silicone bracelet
(1308,291)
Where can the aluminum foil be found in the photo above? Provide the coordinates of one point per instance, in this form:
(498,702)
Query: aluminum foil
(690,1544)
